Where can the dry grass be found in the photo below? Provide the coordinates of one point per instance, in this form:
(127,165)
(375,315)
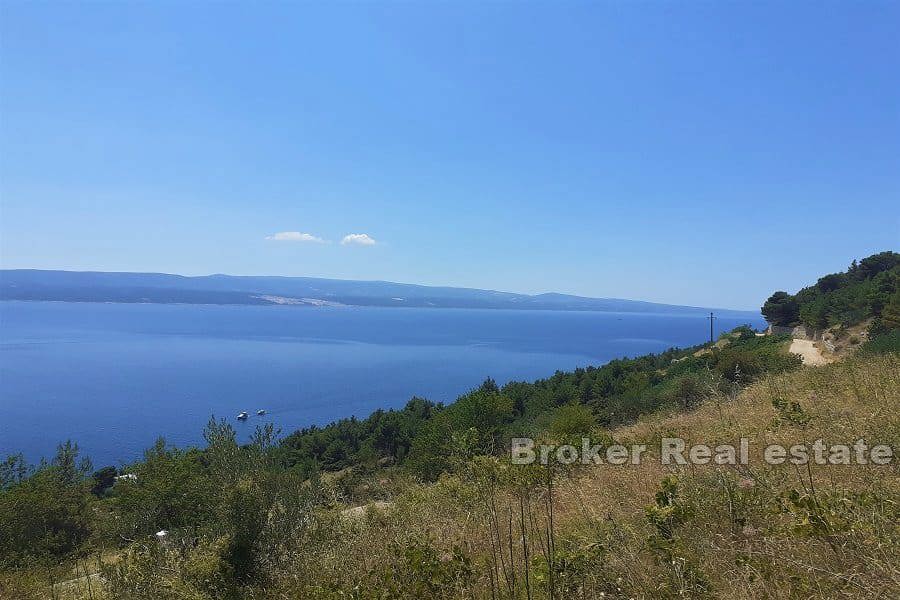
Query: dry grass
(765,551)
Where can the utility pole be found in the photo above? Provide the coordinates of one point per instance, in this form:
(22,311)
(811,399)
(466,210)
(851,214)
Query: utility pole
(711,319)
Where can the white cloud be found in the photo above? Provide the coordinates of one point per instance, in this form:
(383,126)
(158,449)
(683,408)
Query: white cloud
(358,239)
(295,236)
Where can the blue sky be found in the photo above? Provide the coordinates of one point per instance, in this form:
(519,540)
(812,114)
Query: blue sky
(694,153)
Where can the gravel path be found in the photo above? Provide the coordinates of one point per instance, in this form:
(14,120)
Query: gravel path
(808,352)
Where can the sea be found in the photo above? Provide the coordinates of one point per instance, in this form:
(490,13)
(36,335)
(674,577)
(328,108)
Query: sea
(115,377)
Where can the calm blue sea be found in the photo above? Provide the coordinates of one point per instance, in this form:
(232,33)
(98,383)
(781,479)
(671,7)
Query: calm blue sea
(113,377)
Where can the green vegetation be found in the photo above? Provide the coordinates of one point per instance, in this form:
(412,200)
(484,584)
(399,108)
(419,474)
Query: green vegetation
(868,289)
(425,438)
(46,512)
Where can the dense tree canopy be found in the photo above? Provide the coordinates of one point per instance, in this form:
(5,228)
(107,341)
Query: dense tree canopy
(781,309)
(862,292)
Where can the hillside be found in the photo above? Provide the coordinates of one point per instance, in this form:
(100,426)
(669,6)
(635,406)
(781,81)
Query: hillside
(78,286)
(868,289)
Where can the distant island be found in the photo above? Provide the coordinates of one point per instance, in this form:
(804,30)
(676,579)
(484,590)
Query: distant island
(161,288)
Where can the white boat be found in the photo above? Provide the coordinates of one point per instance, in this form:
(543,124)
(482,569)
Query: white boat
(260,412)
(242,416)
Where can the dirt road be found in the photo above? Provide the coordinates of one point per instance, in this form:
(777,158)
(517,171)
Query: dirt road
(808,352)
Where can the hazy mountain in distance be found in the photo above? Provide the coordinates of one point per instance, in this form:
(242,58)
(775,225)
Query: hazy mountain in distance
(90,286)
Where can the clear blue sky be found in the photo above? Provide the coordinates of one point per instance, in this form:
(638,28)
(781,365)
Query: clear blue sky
(694,153)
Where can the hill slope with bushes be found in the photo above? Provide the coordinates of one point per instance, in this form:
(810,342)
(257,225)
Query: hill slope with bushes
(868,289)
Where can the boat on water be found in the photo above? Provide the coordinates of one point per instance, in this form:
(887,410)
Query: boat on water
(242,416)
(260,412)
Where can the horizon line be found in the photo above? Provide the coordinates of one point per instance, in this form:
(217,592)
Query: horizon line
(421,285)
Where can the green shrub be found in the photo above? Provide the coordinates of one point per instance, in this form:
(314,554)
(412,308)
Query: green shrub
(887,342)
(419,571)
(572,420)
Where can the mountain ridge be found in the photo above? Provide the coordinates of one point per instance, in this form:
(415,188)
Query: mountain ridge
(167,288)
